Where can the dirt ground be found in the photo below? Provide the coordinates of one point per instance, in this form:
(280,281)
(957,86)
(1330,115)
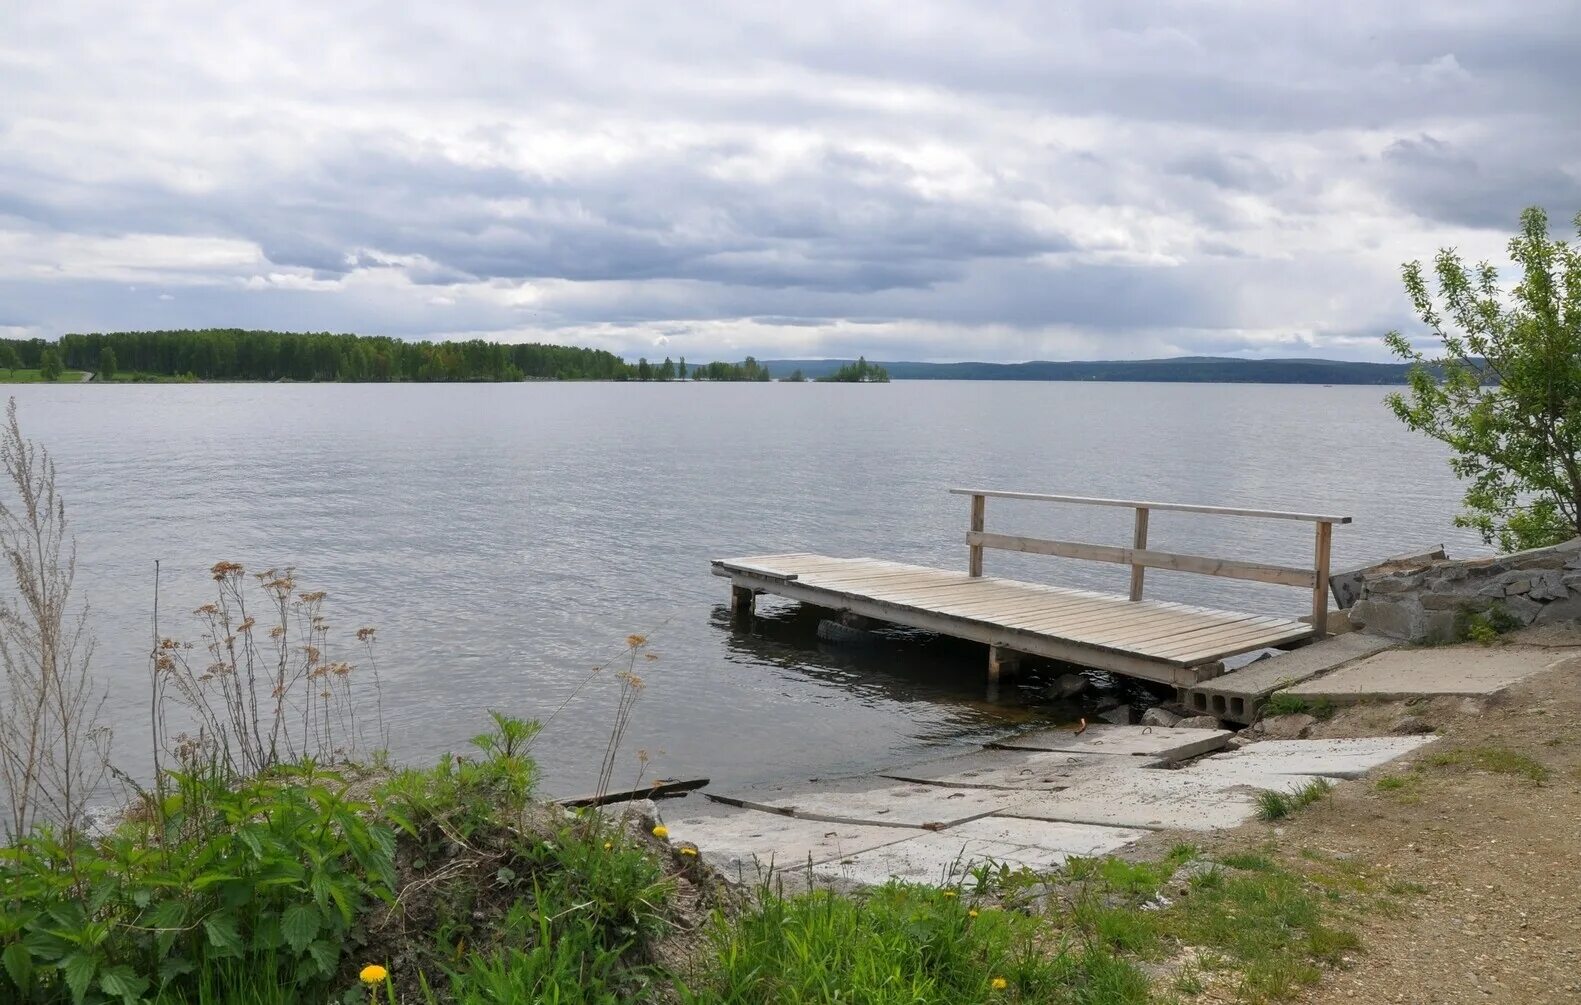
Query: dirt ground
(1482,832)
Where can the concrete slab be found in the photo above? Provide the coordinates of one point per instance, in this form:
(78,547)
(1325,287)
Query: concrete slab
(1191,798)
(948,855)
(1013,769)
(746,844)
(1141,741)
(1349,758)
(1239,695)
(1409,673)
(896,805)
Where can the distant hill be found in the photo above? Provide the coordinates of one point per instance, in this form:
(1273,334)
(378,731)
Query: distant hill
(1182,369)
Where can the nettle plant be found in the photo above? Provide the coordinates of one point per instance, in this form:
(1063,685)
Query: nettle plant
(273,872)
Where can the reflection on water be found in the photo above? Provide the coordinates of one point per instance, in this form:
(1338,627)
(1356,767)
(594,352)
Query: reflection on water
(505,539)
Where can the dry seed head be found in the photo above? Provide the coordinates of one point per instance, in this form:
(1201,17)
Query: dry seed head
(222,570)
(636,641)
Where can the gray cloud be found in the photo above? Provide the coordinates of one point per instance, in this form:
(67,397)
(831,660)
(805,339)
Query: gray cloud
(1009,180)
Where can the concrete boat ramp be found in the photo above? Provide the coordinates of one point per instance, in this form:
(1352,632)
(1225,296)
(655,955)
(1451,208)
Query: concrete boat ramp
(1034,801)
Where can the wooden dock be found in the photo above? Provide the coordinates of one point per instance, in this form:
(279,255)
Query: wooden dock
(1170,643)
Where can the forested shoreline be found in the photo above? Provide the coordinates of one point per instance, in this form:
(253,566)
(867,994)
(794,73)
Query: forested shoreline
(233,354)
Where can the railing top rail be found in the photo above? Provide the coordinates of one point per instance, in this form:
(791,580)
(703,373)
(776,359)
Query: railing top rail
(1139,504)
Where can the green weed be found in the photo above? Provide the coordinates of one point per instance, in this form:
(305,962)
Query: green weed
(1276,805)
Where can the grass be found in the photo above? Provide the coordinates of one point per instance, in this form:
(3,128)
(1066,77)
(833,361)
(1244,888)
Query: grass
(1498,760)
(904,944)
(1285,703)
(21,376)
(1276,805)
(1401,788)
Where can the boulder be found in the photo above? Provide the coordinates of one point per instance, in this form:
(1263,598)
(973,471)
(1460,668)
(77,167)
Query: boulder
(1198,722)
(1560,611)
(1410,725)
(1120,715)
(1159,717)
(1288,727)
(1066,685)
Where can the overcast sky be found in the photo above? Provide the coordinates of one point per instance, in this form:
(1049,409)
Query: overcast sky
(908,179)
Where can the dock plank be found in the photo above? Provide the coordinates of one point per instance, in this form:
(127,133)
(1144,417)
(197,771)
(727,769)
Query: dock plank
(1147,638)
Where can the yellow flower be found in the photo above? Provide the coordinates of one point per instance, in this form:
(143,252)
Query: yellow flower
(661,832)
(998,983)
(949,893)
(608,845)
(972,913)
(373,974)
(689,851)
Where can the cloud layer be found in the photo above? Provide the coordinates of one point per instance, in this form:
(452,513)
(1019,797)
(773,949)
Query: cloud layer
(919,180)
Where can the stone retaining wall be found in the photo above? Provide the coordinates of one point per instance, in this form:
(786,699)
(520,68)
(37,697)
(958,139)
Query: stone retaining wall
(1430,602)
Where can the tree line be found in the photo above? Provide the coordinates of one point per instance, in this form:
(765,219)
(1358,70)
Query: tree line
(236,354)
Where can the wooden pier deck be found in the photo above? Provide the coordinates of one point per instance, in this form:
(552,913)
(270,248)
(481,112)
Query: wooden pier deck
(1170,643)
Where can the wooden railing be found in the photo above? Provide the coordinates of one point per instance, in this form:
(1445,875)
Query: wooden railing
(1140,558)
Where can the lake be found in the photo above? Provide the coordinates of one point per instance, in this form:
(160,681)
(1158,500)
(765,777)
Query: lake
(506,538)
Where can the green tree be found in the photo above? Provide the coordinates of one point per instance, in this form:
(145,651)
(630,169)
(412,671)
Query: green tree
(1505,394)
(49,367)
(644,369)
(107,364)
(9,359)
(667,369)
(796,377)
(683,368)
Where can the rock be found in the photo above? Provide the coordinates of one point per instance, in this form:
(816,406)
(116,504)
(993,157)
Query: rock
(1523,609)
(1410,725)
(1105,703)
(1347,586)
(1066,685)
(1159,717)
(1198,722)
(1179,883)
(1288,727)
(1120,715)
(1472,706)
(1568,609)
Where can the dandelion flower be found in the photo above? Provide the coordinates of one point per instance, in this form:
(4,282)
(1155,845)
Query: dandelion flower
(661,832)
(608,845)
(373,974)
(972,913)
(998,983)
(950,893)
(689,851)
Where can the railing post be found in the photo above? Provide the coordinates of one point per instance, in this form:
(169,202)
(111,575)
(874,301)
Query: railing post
(974,552)
(1320,558)
(1138,543)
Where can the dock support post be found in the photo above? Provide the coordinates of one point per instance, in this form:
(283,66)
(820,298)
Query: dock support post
(1138,543)
(743,599)
(1002,661)
(1320,560)
(974,553)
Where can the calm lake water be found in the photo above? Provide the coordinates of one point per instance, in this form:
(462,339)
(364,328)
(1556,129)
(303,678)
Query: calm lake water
(506,538)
